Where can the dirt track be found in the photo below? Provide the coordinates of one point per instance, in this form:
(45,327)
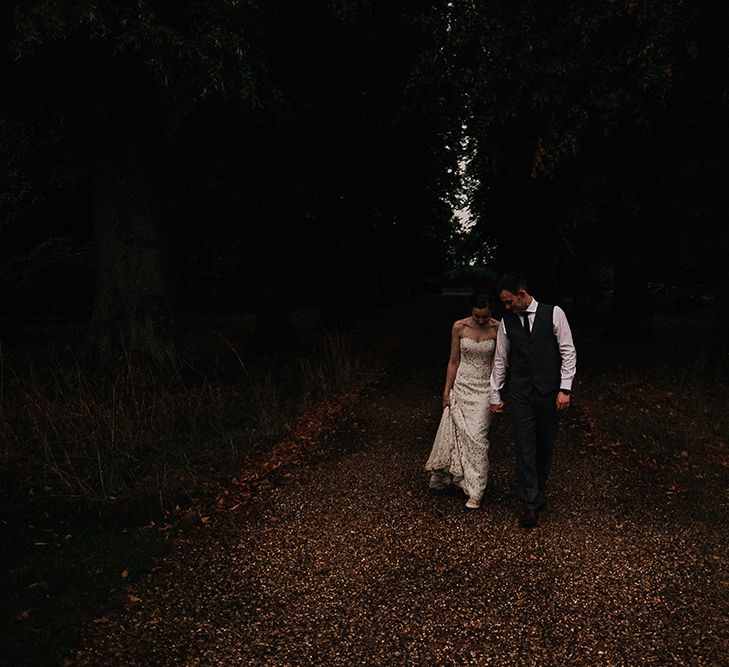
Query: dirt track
(350,560)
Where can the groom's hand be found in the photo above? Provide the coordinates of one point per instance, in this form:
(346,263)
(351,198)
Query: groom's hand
(563,400)
(496,407)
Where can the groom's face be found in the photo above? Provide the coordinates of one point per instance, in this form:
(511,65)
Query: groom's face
(516,303)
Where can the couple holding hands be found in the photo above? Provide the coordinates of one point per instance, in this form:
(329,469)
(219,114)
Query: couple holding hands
(533,343)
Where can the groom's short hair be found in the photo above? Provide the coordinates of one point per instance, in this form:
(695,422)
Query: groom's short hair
(512,282)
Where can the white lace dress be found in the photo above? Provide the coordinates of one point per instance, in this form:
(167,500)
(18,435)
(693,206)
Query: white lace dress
(461,447)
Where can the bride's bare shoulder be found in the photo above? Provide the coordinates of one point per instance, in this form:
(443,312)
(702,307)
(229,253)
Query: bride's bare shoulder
(460,325)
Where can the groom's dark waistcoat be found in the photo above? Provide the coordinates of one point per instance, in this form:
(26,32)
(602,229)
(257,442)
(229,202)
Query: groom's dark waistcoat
(534,359)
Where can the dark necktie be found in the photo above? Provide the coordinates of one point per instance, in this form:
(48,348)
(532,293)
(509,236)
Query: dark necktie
(525,317)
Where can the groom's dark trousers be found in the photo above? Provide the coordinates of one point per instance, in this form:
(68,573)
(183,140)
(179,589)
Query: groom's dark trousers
(535,422)
(535,363)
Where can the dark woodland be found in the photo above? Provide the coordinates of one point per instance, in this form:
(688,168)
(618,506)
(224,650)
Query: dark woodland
(226,156)
(218,216)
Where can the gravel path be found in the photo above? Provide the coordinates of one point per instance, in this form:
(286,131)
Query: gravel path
(350,560)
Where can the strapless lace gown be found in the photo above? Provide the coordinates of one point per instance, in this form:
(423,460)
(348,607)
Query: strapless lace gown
(461,446)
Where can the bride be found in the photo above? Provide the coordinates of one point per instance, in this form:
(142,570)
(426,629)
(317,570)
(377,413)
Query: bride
(460,451)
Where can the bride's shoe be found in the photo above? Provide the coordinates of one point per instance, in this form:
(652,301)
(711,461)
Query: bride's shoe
(473,503)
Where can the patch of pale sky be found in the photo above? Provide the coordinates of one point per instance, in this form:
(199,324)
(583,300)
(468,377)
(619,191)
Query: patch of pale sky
(464,218)
(462,214)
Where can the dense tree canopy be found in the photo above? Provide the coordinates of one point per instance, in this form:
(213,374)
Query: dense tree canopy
(239,155)
(591,124)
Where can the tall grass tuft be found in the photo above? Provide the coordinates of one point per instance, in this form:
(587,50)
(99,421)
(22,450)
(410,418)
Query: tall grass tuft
(331,367)
(99,437)
(76,433)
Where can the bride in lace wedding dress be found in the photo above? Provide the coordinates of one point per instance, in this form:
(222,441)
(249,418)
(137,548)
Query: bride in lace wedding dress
(460,450)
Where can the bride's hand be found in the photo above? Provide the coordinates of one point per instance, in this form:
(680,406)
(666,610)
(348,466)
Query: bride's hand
(446,401)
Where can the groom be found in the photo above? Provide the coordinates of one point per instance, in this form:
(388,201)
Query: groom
(534,342)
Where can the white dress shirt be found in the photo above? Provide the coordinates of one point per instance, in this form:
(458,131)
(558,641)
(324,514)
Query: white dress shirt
(562,331)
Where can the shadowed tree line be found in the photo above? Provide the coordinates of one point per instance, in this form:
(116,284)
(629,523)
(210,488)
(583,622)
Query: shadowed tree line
(595,130)
(229,155)
(223,155)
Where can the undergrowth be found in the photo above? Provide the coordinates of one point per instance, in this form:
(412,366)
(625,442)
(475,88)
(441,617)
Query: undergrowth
(70,431)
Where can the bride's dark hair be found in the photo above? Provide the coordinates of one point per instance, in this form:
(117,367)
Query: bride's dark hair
(480,300)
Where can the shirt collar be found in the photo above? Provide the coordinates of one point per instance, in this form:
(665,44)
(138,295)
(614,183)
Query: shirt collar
(532,307)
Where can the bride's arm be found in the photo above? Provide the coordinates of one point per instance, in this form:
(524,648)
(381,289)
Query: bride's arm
(499,367)
(453,361)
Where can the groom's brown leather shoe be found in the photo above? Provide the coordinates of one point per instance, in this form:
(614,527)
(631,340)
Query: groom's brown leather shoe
(529,518)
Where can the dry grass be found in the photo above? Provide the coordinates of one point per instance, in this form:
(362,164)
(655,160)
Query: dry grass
(69,431)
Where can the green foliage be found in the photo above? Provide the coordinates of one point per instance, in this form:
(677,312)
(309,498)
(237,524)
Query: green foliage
(549,76)
(320,134)
(16,192)
(594,129)
(479,277)
(193,48)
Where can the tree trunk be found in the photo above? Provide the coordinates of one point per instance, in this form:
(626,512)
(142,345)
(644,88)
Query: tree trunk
(720,341)
(529,242)
(133,315)
(338,299)
(586,280)
(273,333)
(630,311)
(274,238)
